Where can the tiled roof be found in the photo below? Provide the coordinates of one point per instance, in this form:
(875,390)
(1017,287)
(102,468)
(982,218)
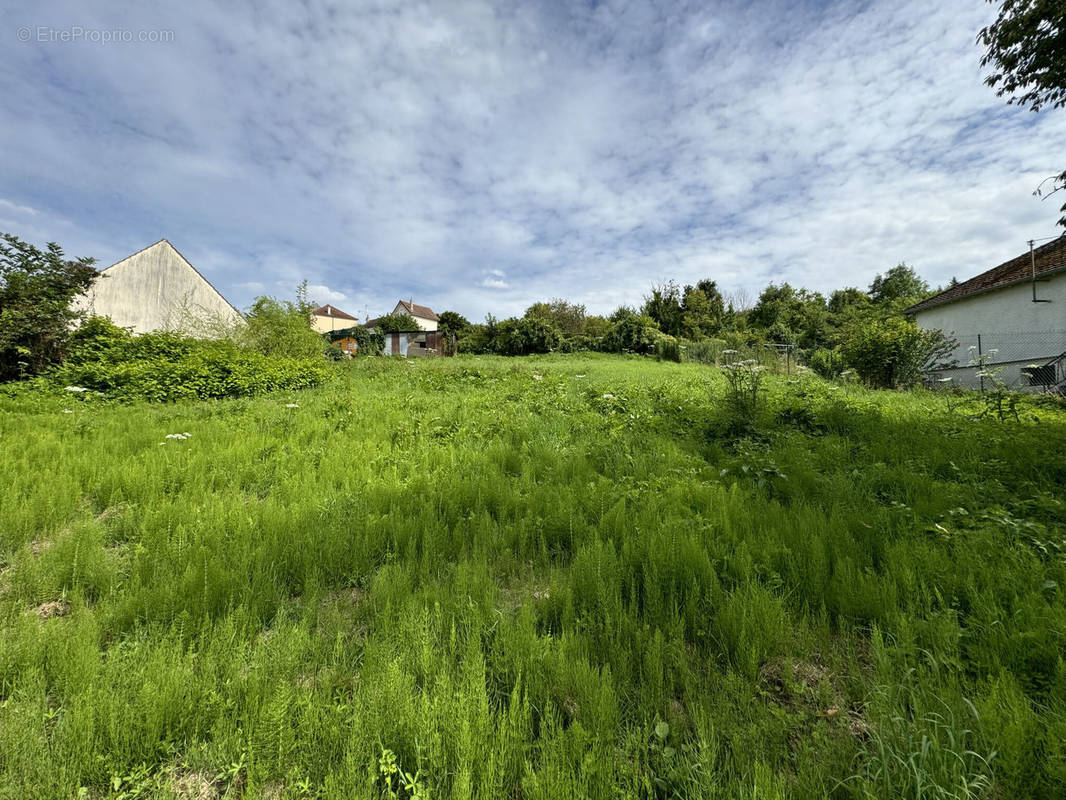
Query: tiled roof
(332,311)
(419,311)
(1049,258)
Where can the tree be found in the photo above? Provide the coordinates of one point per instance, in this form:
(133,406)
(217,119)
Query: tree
(793,316)
(663,305)
(520,337)
(391,323)
(36,291)
(631,332)
(893,352)
(568,317)
(1026,47)
(703,309)
(281,327)
(452,322)
(899,286)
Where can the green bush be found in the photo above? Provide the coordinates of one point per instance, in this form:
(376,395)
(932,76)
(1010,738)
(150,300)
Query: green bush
(826,363)
(893,353)
(520,337)
(281,328)
(164,367)
(667,348)
(632,333)
(395,323)
(36,314)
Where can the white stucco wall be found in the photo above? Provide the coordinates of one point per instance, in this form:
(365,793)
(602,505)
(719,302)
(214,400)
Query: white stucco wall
(157,289)
(423,323)
(1009,322)
(325,323)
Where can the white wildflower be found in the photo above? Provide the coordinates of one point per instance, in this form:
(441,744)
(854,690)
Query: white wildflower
(67,411)
(292,405)
(76,389)
(608,397)
(179,436)
(538,377)
(579,376)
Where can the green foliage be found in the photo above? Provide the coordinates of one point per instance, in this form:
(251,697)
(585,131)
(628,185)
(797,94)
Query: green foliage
(36,290)
(529,578)
(392,323)
(826,363)
(369,343)
(667,348)
(452,323)
(567,318)
(280,328)
(520,337)
(703,309)
(664,305)
(898,287)
(892,353)
(1026,47)
(631,333)
(743,397)
(165,367)
(791,316)
(999,402)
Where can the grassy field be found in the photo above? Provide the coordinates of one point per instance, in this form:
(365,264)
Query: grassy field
(531,578)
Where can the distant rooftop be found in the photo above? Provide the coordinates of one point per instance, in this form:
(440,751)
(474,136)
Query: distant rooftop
(1049,259)
(332,311)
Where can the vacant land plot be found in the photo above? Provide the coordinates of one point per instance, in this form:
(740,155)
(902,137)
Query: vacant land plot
(559,577)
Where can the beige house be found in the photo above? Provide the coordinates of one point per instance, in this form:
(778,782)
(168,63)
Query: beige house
(158,289)
(327,318)
(423,315)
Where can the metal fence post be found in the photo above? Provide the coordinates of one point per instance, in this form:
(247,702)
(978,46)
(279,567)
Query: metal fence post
(980,367)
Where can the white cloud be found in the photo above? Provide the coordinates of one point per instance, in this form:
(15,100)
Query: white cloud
(323,294)
(399,148)
(14,208)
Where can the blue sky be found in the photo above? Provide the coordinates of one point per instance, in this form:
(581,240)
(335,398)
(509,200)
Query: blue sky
(480,156)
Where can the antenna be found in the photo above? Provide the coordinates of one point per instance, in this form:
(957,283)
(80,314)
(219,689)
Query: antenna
(1032,263)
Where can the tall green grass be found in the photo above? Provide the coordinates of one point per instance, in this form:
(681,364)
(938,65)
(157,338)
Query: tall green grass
(548,577)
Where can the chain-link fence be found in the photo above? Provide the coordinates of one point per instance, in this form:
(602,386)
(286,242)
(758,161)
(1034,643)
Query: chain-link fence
(1024,360)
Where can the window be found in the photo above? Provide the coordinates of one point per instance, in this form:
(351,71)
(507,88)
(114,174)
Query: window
(1043,375)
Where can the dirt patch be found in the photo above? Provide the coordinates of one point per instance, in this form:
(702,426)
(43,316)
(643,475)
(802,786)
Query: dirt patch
(38,546)
(352,595)
(53,608)
(194,786)
(111,513)
(793,682)
(810,686)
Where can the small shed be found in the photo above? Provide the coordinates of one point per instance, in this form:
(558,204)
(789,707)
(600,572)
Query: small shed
(414,343)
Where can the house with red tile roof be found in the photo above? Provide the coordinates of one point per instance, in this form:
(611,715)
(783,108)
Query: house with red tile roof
(328,318)
(1013,316)
(424,316)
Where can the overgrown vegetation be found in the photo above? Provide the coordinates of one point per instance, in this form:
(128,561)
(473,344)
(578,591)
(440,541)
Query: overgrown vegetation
(36,290)
(385,587)
(861,331)
(164,367)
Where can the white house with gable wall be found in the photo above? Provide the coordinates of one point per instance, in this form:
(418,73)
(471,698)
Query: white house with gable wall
(158,289)
(1014,315)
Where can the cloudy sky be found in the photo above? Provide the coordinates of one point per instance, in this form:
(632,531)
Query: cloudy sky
(479,156)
